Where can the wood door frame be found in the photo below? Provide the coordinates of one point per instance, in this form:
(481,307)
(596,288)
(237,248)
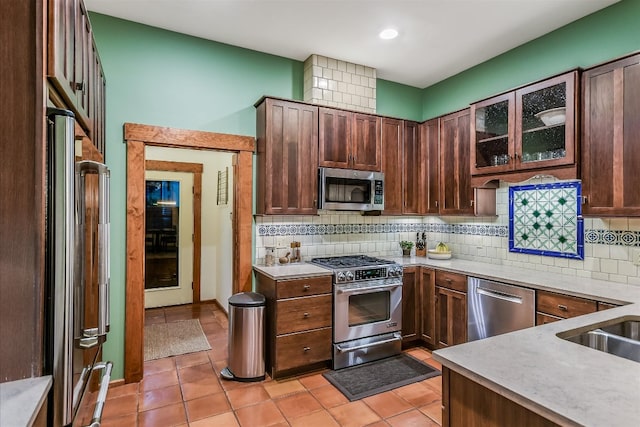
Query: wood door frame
(137,136)
(195,169)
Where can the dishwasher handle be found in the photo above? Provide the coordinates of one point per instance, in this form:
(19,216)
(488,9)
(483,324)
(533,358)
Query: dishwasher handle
(499,295)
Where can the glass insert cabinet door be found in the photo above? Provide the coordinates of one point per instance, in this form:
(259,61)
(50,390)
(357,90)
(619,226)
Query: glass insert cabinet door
(492,134)
(545,131)
(529,128)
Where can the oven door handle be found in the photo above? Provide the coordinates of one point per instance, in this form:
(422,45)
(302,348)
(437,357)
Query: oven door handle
(369,289)
(341,349)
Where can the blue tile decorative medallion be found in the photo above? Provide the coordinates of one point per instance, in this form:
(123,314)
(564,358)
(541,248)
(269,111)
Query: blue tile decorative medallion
(546,219)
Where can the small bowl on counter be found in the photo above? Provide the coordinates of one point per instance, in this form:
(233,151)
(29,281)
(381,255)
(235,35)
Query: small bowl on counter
(433,254)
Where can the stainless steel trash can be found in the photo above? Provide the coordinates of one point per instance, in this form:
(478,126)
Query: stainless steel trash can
(246,337)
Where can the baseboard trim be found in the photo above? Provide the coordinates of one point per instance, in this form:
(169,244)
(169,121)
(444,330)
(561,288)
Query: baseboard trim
(116,383)
(217,304)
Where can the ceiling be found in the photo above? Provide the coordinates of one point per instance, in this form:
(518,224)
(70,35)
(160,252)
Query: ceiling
(437,38)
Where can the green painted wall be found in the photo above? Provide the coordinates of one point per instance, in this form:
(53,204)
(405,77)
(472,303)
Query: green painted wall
(398,100)
(164,78)
(596,38)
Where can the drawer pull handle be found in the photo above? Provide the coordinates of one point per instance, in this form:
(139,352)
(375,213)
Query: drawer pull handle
(305,349)
(562,307)
(306,287)
(305,315)
(448,280)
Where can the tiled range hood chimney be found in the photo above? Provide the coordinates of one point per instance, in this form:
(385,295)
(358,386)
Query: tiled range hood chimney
(340,84)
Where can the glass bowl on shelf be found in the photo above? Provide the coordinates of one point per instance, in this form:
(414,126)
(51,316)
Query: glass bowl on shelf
(553,116)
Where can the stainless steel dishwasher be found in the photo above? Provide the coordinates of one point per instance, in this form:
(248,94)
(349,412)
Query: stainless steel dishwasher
(495,308)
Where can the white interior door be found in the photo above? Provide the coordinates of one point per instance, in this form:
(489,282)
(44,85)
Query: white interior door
(159,244)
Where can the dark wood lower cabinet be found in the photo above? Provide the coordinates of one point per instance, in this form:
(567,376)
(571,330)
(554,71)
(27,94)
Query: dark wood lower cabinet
(451,317)
(410,305)
(302,349)
(428,306)
(435,316)
(298,332)
(466,403)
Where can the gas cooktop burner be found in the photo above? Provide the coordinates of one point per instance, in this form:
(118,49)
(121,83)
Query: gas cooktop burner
(350,261)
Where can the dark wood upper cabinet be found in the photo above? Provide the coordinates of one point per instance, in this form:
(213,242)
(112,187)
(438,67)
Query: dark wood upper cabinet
(349,140)
(430,172)
(392,137)
(74,69)
(366,142)
(456,194)
(61,67)
(413,161)
(516,134)
(334,134)
(611,138)
(97,101)
(287,158)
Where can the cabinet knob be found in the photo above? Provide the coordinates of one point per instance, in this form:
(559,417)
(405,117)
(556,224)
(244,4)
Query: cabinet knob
(562,307)
(305,349)
(306,287)
(305,315)
(79,86)
(436,203)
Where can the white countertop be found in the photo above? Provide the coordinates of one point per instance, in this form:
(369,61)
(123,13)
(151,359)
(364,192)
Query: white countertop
(601,290)
(20,401)
(568,383)
(290,271)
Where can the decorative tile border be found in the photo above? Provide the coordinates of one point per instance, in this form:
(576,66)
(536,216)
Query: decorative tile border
(603,237)
(328,229)
(612,237)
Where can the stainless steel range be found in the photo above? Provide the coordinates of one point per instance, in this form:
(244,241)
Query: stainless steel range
(367,308)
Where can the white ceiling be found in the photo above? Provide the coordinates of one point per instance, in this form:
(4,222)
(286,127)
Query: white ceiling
(437,38)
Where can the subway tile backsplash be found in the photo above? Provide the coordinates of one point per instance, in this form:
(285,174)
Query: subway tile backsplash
(339,84)
(609,243)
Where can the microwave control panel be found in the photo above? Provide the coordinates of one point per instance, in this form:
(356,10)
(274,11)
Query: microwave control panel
(378,192)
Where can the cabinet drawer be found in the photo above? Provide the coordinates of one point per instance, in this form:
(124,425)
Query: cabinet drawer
(606,305)
(301,314)
(543,319)
(304,348)
(564,306)
(303,287)
(457,282)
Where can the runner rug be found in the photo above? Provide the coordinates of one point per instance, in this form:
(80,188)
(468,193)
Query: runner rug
(174,338)
(371,378)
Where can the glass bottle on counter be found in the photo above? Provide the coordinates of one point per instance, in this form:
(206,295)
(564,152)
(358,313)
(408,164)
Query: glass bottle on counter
(270,256)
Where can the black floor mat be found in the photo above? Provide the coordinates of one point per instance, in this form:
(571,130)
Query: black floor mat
(376,377)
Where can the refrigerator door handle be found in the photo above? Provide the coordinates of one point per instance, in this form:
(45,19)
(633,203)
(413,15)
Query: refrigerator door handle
(96,420)
(104,238)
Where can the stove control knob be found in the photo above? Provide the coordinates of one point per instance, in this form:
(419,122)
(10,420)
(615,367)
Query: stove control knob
(349,276)
(340,276)
(398,271)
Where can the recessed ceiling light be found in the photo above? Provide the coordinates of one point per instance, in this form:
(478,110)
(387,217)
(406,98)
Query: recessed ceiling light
(388,34)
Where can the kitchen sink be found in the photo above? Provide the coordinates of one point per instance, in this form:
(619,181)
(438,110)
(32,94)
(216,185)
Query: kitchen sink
(620,337)
(628,329)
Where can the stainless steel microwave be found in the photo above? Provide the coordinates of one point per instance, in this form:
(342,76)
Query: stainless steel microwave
(350,190)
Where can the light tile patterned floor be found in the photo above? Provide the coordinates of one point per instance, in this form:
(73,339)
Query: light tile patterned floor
(187,391)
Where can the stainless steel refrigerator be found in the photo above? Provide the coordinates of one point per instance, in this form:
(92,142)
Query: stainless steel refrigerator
(77,276)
